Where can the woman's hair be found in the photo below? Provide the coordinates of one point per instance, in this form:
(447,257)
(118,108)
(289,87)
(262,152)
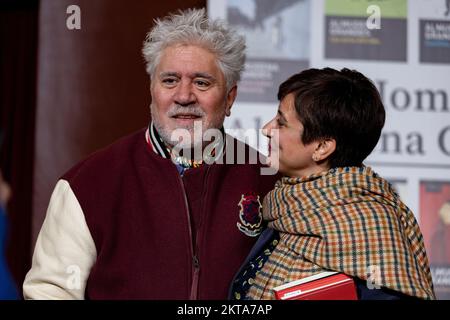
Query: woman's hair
(342,105)
(192,27)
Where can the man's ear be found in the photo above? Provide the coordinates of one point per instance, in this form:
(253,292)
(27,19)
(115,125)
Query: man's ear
(231,96)
(150,86)
(324,149)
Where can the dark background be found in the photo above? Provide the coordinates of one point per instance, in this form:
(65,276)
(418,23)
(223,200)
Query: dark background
(64,94)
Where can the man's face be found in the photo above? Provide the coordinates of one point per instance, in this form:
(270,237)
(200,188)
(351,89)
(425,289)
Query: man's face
(188,86)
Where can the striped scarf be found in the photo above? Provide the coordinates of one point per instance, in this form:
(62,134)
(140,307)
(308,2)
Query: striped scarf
(348,220)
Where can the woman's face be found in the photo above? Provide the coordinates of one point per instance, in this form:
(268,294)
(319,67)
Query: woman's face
(287,153)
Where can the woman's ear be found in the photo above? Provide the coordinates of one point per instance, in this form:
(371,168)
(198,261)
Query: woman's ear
(324,149)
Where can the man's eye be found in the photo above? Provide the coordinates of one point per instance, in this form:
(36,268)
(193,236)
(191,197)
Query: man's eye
(202,83)
(169,81)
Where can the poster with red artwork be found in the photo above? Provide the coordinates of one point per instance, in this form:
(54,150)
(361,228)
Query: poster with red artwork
(435,225)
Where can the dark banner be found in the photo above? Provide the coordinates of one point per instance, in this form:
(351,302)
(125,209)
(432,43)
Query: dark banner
(435,41)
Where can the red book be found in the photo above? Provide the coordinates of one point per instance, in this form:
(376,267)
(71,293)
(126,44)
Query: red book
(322,286)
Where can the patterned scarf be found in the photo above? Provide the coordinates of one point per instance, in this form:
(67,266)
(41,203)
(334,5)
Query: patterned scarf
(348,220)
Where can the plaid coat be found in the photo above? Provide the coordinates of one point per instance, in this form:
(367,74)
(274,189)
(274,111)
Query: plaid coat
(348,220)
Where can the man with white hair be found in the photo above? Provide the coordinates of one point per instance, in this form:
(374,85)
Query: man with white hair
(160,214)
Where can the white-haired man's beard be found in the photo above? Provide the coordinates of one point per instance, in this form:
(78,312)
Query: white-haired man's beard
(189,136)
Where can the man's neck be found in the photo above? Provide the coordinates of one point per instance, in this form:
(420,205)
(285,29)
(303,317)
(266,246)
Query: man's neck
(187,157)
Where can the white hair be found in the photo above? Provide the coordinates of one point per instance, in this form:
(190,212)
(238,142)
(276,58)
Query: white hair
(193,27)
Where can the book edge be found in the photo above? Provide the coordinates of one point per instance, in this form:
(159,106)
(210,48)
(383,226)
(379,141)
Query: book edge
(305,280)
(290,295)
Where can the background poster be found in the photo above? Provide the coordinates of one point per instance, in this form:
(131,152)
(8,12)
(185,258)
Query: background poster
(400,186)
(435,32)
(277,36)
(435,216)
(407,61)
(348,35)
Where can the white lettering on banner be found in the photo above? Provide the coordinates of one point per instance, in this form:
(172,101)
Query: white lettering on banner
(73,22)
(430,100)
(260,70)
(437,31)
(393,142)
(348,28)
(444,140)
(374,20)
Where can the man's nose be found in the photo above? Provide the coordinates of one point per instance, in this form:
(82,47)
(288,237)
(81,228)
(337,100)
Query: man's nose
(184,95)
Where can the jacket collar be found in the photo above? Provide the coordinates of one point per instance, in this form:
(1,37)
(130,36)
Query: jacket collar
(156,143)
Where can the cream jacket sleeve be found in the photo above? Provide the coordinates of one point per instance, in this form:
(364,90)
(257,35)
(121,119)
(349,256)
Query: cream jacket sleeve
(64,251)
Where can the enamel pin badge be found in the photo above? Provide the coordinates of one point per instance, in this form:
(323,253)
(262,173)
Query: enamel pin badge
(250,215)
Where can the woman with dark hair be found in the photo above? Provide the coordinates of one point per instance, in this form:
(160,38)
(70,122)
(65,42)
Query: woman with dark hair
(330,212)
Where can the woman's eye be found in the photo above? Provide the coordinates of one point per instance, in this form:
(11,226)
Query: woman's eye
(280,123)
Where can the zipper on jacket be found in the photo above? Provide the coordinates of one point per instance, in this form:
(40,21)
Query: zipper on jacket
(194,288)
(195,263)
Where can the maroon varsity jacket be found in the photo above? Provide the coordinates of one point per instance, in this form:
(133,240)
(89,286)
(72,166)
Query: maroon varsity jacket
(160,235)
